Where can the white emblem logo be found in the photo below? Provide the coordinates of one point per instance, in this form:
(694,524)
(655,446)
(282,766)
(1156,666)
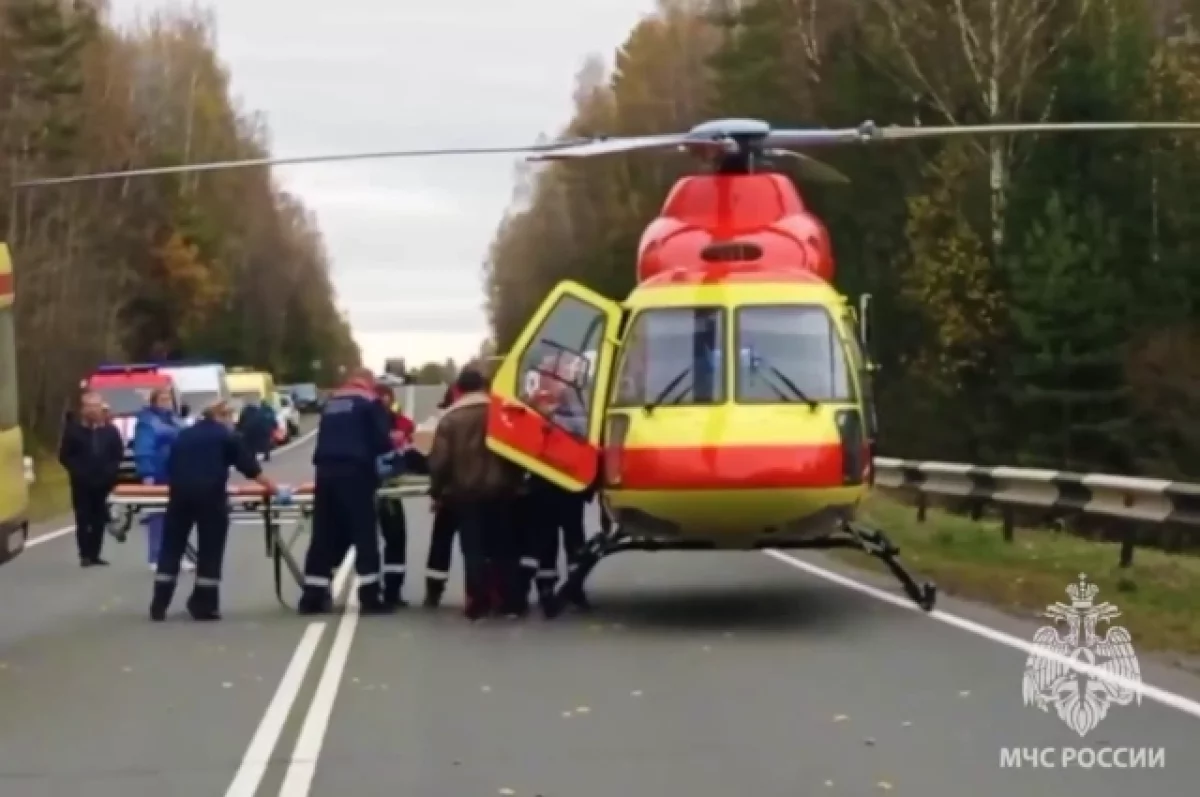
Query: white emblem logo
(1081,699)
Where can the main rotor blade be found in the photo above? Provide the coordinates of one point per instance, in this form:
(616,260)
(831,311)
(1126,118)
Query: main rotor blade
(249,163)
(810,168)
(869,133)
(618,146)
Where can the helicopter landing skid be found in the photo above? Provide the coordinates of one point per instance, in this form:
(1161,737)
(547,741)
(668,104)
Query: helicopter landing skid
(852,536)
(875,543)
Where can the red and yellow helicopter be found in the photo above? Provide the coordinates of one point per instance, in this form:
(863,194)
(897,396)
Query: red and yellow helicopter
(726,403)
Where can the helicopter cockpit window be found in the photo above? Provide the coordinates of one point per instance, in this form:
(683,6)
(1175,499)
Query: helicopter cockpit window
(556,374)
(790,353)
(672,356)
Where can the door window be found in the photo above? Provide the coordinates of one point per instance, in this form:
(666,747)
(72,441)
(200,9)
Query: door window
(858,360)
(557,370)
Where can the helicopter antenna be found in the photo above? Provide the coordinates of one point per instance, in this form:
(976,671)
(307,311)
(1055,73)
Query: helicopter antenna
(730,146)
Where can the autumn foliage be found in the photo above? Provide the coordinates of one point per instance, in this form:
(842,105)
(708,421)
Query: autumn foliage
(1038,296)
(213,265)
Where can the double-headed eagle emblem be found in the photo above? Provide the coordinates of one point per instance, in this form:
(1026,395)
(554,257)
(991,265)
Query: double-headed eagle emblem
(1081,699)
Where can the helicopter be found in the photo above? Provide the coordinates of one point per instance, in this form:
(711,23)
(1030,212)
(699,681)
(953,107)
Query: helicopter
(726,403)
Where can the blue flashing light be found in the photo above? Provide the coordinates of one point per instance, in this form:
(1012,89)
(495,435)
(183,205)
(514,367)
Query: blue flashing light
(126,368)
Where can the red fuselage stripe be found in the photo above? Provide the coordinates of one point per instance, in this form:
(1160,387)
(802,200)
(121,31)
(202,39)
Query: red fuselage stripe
(728,467)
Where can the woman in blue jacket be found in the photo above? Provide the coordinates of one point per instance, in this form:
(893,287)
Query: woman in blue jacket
(153,435)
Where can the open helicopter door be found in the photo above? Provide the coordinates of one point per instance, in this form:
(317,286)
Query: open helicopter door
(548,395)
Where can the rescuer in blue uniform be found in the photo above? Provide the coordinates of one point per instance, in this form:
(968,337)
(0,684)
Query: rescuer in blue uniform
(197,471)
(354,449)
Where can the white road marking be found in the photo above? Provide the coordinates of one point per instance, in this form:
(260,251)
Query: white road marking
(303,763)
(65,530)
(1157,694)
(262,745)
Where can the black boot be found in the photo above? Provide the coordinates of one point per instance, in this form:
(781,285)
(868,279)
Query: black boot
(370,601)
(433,593)
(163,592)
(315,600)
(204,605)
(546,602)
(392,592)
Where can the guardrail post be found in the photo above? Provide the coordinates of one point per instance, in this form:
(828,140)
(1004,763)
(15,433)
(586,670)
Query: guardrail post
(922,507)
(1006,515)
(1128,539)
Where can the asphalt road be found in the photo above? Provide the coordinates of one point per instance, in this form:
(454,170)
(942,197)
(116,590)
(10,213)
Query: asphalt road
(697,675)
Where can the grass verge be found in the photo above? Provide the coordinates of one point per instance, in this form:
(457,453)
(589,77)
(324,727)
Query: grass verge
(1159,596)
(50,493)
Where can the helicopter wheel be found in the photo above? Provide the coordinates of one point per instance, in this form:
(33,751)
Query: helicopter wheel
(875,543)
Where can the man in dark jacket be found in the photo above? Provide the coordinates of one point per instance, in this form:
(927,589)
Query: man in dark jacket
(441,538)
(198,483)
(479,486)
(354,450)
(91,452)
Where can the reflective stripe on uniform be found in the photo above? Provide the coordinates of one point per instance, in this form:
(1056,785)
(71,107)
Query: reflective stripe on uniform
(368,579)
(547,574)
(201,581)
(529,562)
(165,578)
(316,581)
(437,575)
(393,568)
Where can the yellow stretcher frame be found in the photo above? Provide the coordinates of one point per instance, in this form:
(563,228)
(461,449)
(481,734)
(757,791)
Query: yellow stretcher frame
(123,510)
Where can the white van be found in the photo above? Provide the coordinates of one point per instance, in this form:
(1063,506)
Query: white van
(198,384)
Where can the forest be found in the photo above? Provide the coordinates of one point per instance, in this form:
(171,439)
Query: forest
(1036,297)
(216,265)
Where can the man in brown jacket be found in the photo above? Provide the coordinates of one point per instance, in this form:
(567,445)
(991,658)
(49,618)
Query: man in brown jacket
(480,487)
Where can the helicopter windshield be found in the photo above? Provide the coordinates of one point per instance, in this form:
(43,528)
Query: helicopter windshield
(790,354)
(664,343)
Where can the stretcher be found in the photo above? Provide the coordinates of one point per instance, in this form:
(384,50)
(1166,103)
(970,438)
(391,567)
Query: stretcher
(250,505)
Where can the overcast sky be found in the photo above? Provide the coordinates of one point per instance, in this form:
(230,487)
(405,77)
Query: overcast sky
(407,240)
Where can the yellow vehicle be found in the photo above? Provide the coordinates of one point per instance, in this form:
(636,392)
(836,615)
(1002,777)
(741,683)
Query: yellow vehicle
(249,386)
(14,491)
(252,387)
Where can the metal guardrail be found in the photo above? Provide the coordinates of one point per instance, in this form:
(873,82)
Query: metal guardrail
(1139,502)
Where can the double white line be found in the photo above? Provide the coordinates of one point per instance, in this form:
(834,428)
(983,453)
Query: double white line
(302,765)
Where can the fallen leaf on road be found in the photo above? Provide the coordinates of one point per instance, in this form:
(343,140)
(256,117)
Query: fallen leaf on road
(906,724)
(829,784)
(965,693)
(840,718)
(126,669)
(884,785)
(226,685)
(485,688)
(636,693)
(567,715)
(507,791)
(582,710)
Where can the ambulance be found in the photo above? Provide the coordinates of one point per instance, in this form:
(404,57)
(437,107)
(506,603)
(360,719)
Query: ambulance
(14,468)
